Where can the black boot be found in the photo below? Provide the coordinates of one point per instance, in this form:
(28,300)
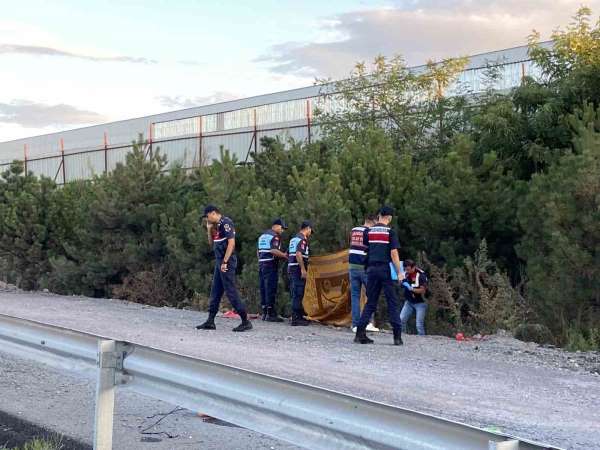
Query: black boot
(398,337)
(361,336)
(272,315)
(209,324)
(264,313)
(299,321)
(245,325)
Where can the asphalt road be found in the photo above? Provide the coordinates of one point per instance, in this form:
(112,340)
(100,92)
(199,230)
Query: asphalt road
(499,383)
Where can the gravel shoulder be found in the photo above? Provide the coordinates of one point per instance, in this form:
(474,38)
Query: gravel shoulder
(537,393)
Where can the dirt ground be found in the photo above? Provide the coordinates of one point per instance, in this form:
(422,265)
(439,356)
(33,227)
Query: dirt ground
(499,383)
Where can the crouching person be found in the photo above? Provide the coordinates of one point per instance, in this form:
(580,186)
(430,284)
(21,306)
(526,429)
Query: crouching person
(415,286)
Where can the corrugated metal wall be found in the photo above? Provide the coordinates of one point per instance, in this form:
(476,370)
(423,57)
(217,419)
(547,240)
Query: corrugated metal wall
(194,136)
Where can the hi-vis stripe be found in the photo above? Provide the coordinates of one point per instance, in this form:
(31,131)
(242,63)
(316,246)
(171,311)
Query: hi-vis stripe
(416,283)
(220,240)
(358,252)
(379,235)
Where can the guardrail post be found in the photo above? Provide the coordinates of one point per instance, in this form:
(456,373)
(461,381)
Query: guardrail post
(505,445)
(105,394)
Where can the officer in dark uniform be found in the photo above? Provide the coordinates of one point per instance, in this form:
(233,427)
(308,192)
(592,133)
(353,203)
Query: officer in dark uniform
(221,234)
(298,253)
(382,248)
(269,250)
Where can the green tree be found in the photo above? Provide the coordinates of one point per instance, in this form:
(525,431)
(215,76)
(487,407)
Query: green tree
(27,240)
(407,104)
(561,220)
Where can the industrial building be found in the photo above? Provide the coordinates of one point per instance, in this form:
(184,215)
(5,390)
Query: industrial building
(194,136)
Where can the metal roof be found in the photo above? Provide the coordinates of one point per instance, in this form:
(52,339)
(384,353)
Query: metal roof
(124,131)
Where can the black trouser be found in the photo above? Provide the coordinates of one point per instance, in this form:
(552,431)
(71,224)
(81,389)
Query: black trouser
(268,276)
(297,286)
(224,282)
(378,277)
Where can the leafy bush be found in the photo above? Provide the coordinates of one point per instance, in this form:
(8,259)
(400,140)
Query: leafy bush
(583,340)
(534,332)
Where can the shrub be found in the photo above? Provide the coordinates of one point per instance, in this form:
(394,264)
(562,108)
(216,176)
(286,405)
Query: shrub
(534,332)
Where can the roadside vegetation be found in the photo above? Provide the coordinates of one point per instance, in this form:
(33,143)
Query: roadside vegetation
(497,196)
(38,444)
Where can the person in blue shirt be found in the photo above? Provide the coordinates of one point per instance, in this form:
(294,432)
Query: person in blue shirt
(415,286)
(357,259)
(221,234)
(382,248)
(269,251)
(298,253)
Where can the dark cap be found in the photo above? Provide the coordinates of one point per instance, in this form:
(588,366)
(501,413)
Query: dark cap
(386,211)
(280,221)
(306,224)
(208,209)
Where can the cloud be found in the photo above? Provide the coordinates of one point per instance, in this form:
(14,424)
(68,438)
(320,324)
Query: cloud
(419,30)
(188,62)
(38,115)
(50,51)
(178,101)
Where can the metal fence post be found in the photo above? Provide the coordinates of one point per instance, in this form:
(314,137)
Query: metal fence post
(200,156)
(105,153)
(308,117)
(25,157)
(255,134)
(150,134)
(105,394)
(62,154)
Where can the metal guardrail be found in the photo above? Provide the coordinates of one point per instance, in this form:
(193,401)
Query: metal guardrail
(304,415)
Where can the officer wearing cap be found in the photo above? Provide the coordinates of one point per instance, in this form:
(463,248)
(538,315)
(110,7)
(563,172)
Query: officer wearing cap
(382,248)
(221,234)
(269,250)
(298,252)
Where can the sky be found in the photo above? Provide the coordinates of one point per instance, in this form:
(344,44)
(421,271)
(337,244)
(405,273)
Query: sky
(66,64)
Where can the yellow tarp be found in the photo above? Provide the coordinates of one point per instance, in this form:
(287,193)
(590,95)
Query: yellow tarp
(327,293)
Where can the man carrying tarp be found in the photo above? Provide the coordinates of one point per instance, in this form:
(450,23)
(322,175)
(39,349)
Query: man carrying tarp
(269,250)
(298,252)
(382,248)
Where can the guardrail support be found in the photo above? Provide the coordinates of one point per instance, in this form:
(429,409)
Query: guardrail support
(108,364)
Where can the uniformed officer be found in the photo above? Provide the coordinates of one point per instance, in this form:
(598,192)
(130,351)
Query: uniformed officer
(357,258)
(269,250)
(298,253)
(382,248)
(221,234)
